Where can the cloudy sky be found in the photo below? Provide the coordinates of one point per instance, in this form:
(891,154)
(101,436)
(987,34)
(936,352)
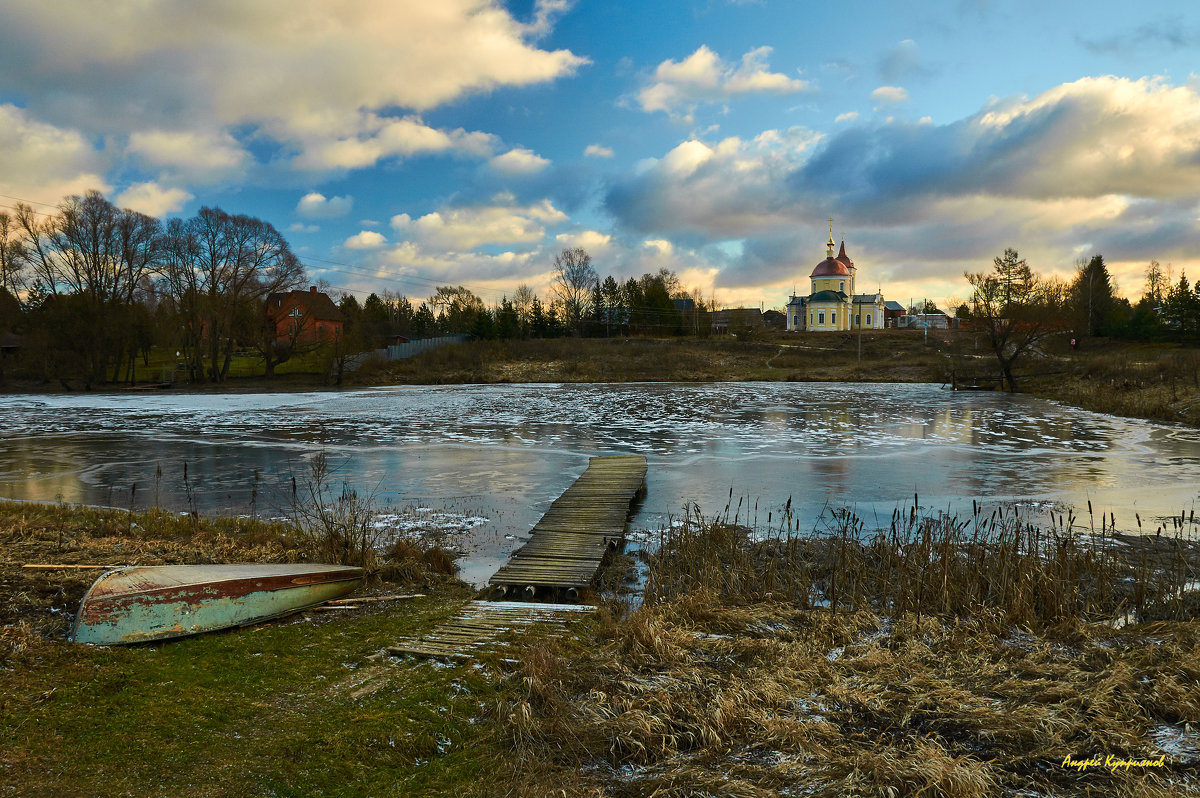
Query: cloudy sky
(405,144)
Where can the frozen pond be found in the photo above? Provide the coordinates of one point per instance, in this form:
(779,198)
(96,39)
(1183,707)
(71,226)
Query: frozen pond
(492,458)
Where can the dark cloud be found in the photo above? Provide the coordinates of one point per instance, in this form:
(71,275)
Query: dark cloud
(903,63)
(1171,33)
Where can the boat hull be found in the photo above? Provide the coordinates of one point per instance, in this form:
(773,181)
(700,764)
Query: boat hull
(140,604)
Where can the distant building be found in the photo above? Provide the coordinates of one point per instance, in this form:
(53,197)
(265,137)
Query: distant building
(892,313)
(832,303)
(304,316)
(934,321)
(733,319)
(774,319)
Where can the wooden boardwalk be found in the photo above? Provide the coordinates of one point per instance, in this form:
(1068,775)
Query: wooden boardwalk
(582,524)
(563,555)
(483,627)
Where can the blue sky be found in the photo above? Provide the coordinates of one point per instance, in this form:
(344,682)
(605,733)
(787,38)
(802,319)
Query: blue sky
(402,145)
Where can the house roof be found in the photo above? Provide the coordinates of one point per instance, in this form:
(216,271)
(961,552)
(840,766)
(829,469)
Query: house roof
(723,315)
(890,305)
(865,299)
(828,296)
(318,304)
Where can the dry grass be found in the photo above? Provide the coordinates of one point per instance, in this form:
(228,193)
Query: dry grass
(997,565)
(975,674)
(1159,382)
(886,355)
(38,605)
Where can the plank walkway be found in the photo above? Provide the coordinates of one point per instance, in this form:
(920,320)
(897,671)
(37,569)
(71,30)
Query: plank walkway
(569,543)
(481,628)
(563,555)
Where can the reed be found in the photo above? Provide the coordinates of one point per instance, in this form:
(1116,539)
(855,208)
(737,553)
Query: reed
(936,656)
(998,564)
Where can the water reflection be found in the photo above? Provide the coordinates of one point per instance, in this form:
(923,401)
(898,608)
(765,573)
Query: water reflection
(508,451)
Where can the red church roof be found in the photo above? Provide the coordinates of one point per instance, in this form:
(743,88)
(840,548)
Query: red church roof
(830,267)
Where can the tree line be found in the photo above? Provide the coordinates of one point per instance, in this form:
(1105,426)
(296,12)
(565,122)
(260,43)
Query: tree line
(580,304)
(90,290)
(93,287)
(1019,309)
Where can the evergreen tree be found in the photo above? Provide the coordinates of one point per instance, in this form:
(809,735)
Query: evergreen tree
(1013,276)
(1092,298)
(507,324)
(1181,311)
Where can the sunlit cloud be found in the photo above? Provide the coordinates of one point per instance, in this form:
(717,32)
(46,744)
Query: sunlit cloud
(519,162)
(152,199)
(890,94)
(326,90)
(366,239)
(470,227)
(42,162)
(678,87)
(315,205)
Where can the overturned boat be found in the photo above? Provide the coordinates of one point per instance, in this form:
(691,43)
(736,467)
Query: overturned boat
(142,603)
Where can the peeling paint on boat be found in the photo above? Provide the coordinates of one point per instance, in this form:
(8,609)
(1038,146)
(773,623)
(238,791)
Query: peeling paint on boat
(142,603)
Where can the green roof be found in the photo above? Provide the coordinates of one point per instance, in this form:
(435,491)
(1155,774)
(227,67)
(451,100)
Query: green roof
(828,296)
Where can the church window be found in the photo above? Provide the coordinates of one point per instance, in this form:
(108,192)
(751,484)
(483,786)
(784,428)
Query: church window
(868,319)
(833,317)
(857,320)
(842,286)
(821,317)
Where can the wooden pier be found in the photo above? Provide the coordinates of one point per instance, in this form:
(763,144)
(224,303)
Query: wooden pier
(570,541)
(564,554)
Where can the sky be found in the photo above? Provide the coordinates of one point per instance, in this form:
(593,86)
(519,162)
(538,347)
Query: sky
(408,144)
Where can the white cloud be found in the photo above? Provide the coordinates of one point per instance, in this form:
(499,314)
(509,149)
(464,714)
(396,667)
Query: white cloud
(152,199)
(519,162)
(595,242)
(849,116)
(678,87)
(376,138)
(315,80)
(466,228)
(598,151)
(315,205)
(44,163)
(1106,162)
(890,94)
(197,156)
(366,239)
(300,227)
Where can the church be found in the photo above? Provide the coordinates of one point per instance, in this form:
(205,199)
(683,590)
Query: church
(832,303)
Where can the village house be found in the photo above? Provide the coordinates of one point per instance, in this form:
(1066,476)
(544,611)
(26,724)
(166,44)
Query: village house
(304,317)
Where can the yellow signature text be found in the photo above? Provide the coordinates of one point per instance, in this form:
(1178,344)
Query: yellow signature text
(1111,762)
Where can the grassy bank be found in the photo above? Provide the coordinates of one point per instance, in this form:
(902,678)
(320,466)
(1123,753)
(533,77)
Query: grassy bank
(922,661)
(880,356)
(1153,381)
(938,657)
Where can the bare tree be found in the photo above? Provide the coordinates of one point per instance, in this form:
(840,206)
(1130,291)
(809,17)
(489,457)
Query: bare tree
(1016,309)
(573,281)
(11,258)
(218,268)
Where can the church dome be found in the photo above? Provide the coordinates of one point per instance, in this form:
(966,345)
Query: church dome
(830,267)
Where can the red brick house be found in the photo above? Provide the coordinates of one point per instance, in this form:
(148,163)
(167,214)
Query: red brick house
(304,316)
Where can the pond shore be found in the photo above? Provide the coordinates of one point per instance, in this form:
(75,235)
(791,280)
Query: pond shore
(727,681)
(1158,382)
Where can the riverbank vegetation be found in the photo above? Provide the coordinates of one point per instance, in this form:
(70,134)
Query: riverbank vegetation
(963,657)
